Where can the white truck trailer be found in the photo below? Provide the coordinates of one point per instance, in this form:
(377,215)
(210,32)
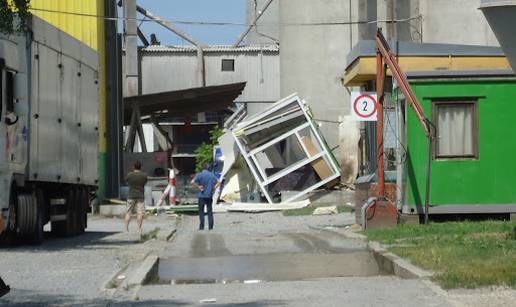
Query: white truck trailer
(48,132)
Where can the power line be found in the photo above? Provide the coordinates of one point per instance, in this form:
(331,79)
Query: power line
(212,23)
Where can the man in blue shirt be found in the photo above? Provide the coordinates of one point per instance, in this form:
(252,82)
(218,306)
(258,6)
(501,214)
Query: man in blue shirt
(207,183)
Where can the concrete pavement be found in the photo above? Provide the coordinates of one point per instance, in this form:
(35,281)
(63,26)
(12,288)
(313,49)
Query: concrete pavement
(272,238)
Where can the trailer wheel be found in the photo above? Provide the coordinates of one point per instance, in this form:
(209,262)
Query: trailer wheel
(29,219)
(37,237)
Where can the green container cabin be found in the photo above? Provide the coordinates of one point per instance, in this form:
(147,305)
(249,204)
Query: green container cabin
(473,167)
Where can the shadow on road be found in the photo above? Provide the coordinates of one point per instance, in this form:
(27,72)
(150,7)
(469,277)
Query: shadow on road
(90,239)
(35,299)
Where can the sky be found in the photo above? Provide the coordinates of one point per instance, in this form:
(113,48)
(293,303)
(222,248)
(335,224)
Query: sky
(232,11)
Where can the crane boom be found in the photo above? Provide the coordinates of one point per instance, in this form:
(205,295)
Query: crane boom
(401,78)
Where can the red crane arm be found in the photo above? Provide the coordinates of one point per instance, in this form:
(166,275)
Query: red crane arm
(401,78)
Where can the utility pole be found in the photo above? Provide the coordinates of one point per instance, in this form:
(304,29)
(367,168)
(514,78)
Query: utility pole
(131,48)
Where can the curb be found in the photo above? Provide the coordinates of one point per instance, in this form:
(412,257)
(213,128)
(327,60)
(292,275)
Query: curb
(390,263)
(171,234)
(147,270)
(113,277)
(393,264)
(167,234)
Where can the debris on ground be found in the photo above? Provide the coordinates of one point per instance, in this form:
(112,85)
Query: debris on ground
(326,210)
(283,149)
(208,301)
(261,207)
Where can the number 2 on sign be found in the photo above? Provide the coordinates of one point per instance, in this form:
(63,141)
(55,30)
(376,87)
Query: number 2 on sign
(363,106)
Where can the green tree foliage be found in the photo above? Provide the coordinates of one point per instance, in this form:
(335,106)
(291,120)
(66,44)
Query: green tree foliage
(205,151)
(9,10)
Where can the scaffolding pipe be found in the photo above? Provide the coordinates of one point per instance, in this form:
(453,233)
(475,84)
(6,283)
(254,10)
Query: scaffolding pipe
(253,24)
(168,26)
(143,38)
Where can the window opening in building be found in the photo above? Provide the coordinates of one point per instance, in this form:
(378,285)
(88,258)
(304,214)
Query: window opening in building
(228,65)
(457,129)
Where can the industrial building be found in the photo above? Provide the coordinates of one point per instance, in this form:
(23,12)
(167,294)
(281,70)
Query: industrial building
(316,37)
(257,65)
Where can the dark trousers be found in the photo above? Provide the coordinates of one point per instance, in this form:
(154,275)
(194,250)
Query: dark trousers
(205,202)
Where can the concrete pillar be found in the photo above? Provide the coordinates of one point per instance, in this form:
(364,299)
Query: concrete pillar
(131,49)
(312,63)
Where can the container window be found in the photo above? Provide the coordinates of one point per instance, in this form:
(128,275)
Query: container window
(228,65)
(457,129)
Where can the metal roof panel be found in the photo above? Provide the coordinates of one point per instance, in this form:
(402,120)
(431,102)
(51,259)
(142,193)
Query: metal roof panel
(213,48)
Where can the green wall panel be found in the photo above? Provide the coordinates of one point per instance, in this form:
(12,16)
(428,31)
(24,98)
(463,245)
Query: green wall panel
(489,180)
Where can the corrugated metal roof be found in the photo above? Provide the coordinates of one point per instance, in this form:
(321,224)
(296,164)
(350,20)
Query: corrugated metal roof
(213,48)
(188,101)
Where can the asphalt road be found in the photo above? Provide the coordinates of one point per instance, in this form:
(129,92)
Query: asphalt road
(299,259)
(74,271)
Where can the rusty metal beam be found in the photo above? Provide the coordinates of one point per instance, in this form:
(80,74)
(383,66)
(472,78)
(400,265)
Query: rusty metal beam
(401,78)
(379,125)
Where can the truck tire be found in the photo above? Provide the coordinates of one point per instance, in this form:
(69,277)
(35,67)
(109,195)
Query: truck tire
(29,219)
(38,235)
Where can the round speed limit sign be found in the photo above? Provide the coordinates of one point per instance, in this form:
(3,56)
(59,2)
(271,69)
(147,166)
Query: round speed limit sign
(364,106)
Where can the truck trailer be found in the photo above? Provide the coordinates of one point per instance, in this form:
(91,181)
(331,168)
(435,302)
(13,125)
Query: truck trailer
(48,132)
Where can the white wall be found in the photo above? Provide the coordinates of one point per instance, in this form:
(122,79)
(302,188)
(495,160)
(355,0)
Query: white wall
(313,60)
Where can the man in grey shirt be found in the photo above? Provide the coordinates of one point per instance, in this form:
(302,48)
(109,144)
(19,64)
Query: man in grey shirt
(136,181)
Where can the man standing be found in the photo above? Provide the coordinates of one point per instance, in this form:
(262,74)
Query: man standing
(136,181)
(207,183)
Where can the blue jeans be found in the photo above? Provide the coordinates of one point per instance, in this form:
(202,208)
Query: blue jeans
(202,203)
